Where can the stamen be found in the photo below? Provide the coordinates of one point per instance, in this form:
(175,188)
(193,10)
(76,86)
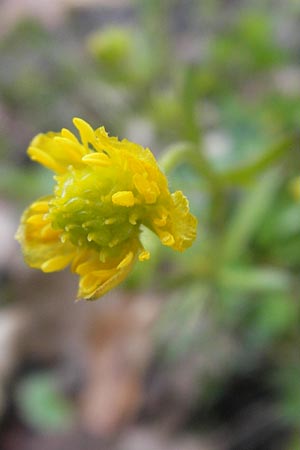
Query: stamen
(144,255)
(123,198)
(110,221)
(167,239)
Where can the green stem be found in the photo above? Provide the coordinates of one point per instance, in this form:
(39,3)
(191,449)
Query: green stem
(190,121)
(194,156)
(186,152)
(189,153)
(262,279)
(245,173)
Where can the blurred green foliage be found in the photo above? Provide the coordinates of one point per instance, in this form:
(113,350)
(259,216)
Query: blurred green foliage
(225,121)
(41,404)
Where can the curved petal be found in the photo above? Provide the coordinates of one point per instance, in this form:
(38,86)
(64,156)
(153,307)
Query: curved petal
(97,276)
(41,244)
(57,151)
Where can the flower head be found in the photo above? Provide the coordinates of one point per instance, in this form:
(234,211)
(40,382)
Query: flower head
(105,190)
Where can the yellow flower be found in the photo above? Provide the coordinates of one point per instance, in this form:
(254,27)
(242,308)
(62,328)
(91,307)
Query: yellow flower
(106,189)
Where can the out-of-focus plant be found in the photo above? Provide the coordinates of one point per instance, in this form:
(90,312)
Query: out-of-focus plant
(41,404)
(246,265)
(123,55)
(227,133)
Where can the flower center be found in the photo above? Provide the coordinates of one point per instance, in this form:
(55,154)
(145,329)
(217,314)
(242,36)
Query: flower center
(88,208)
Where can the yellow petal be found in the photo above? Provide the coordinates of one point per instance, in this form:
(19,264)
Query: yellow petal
(123,198)
(72,151)
(40,243)
(56,263)
(36,219)
(148,189)
(69,135)
(98,277)
(97,159)
(40,206)
(56,152)
(87,133)
(46,160)
(125,261)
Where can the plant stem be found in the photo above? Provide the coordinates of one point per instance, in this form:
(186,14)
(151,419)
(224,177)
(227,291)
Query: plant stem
(186,152)
(245,173)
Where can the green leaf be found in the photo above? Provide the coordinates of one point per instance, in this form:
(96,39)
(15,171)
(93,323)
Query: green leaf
(275,316)
(253,279)
(246,172)
(41,405)
(248,216)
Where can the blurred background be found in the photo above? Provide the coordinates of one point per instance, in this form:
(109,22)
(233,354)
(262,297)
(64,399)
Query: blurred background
(195,351)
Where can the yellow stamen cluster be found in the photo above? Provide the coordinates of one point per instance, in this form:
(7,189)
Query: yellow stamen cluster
(105,190)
